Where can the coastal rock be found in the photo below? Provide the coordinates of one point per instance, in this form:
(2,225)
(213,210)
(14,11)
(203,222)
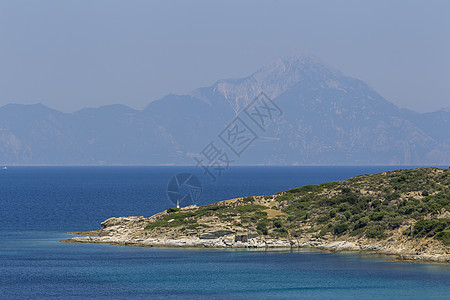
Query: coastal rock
(215,234)
(244,237)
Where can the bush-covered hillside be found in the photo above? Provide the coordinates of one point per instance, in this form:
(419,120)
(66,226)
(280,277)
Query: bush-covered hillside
(416,201)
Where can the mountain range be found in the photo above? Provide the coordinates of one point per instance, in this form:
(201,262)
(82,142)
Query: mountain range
(324,118)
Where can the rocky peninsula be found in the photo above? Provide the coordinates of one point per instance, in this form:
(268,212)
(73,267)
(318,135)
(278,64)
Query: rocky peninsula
(405,213)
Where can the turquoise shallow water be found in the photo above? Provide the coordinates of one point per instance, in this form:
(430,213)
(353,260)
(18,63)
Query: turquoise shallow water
(39,204)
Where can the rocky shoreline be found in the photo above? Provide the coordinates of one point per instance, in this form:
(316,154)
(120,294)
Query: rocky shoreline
(130,231)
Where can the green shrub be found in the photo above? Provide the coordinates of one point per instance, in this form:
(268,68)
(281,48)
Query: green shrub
(248,199)
(395,222)
(407,209)
(375,232)
(355,218)
(209,210)
(323,219)
(332,213)
(431,227)
(391,196)
(179,222)
(444,236)
(179,216)
(346,190)
(357,232)
(307,189)
(258,215)
(361,223)
(291,218)
(344,207)
(376,203)
(278,223)
(347,214)
(324,231)
(377,215)
(340,228)
(261,227)
(285,197)
(329,185)
(281,231)
(156,224)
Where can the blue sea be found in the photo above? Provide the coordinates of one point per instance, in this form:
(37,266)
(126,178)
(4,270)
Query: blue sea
(38,205)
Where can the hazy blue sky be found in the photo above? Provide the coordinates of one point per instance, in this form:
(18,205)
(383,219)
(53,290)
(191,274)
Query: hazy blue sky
(72,54)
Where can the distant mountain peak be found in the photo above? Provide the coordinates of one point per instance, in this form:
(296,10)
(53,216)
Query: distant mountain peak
(295,59)
(300,53)
(277,76)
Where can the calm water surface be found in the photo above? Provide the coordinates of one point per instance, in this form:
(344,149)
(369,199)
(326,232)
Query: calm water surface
(39,204)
